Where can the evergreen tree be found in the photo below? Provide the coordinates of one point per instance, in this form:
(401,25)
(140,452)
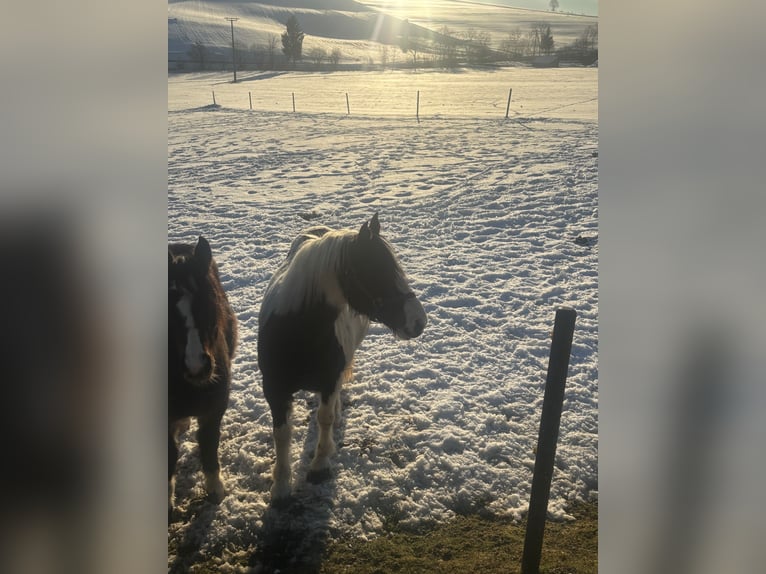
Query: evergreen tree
(292,40)
(546,40)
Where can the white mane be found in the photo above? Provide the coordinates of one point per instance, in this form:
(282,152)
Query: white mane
(310,273)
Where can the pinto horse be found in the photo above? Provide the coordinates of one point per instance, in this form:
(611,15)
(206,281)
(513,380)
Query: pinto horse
(314,315)
(202,337)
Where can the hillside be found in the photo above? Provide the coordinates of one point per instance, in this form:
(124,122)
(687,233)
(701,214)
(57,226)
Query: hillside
(358,30)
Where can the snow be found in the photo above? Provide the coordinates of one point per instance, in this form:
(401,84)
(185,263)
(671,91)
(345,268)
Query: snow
(488,217)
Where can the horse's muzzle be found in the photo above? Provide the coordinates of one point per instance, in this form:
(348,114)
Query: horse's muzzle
(201,374)
(414,330)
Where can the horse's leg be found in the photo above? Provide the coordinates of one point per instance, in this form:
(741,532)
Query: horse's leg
(280,416)
(172,460)
(346,376)
(320,465)
(208,436)
(175,429)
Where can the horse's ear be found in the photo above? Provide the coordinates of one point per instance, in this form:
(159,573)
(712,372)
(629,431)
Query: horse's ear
(364,232)
(375,225)
(202,255)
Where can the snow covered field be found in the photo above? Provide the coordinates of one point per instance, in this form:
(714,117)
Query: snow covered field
(496,223)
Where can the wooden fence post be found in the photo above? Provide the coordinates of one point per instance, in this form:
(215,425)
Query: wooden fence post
(417,108)
(250,95)
(508,107)
(558,364)
(293,102)
(214,98)
(348,108)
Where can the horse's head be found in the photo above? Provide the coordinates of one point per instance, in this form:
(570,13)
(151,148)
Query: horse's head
(192,313)
(376,286)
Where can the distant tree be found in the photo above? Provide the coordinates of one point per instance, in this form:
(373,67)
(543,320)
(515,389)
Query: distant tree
(317,55)
(532,42)
(383,56)
(292,40)
(513,44)
(446,47)
(271,50)
(198,53)
(554,4)
(546,40)
(335,56)
(539,40)
(591,37)
(584,49)
(476,46)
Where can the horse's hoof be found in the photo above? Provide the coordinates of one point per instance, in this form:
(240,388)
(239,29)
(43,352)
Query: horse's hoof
(318,476)
(214,487)
(215,497)
(280,491)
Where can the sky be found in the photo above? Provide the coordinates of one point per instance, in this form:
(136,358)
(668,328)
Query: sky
(588,7)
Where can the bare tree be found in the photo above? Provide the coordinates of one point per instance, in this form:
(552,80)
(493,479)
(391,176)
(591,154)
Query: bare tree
(335,56)
(271,49)
(446,47)
(384,56)
(476,46)
(546,40)
(317,55)
(585,48)
(554,4)
(540,40)
(591,37)
(513,44)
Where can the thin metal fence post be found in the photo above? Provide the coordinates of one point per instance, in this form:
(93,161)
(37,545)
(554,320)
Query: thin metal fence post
(417,108)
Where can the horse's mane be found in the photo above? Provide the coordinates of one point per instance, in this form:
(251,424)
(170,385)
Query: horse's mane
(310,271)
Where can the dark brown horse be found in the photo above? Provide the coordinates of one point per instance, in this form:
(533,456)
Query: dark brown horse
(202,337)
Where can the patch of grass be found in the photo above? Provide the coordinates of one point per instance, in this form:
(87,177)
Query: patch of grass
(472,544)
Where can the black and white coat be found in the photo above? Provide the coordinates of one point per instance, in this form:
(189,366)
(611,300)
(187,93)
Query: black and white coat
(314,315)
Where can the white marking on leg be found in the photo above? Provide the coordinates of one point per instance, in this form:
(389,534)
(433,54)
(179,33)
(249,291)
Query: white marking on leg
(180,427)
(194,350)
(171,492)
(325,418)
(345,377)
(283,465)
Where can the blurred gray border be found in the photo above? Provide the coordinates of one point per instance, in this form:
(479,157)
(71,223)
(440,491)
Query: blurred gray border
(84,143)
(682,270)
(681,275)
